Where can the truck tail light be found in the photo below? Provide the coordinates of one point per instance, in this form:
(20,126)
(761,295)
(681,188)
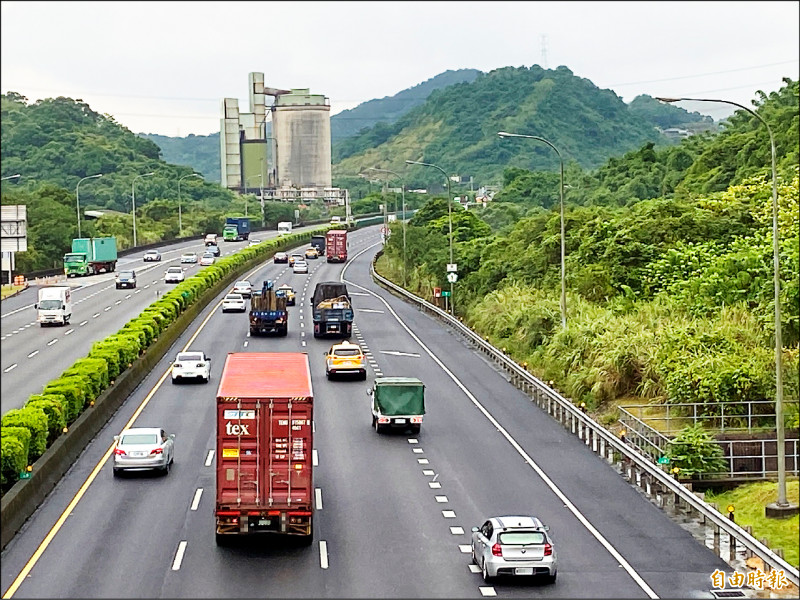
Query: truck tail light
(384,420)
(273,513)
(298,466)
(416,419)
(548,550)
(497,550)
(299,513)
(227,513)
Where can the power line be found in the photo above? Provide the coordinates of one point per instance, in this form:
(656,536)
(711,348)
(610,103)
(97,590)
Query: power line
(703,74)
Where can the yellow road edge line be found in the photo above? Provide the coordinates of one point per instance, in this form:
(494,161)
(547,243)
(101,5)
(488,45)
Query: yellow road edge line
(74,502)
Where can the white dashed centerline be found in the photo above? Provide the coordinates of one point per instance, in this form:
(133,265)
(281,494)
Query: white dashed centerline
(196,500)
(32,354)
(323,554)
(51,342)
(14,366)
(209,458)
(176,564)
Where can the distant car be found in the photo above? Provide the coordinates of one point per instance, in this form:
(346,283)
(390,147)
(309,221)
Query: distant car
(152,256)
(174,275)
(280,257)
(125,279)
(207,259)
(294,258)
(300,266)
(243,287)
(234,303)
(189,258)
(312,252)
(345,358)
(140,448)
(514,545)
(191,365)
(287,291)
(213,249)
(254,242)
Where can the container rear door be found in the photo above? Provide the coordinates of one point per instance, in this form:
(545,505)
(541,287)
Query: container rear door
(238,435)
(288,465)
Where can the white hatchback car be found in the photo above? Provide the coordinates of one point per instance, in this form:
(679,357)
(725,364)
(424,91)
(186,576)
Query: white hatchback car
(191,365)
(174,275)
(234,303)
(143,448)
(514,545)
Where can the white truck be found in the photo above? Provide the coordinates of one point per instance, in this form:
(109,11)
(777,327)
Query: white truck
(285,227)
(54,305)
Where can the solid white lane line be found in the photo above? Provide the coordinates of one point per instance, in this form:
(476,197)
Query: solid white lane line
(176,564)
(196,500)
(209,458)
(323,554)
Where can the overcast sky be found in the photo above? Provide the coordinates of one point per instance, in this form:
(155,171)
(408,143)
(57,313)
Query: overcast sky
(163,67)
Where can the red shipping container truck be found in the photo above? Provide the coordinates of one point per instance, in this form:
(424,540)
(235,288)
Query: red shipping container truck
(264,446)
(336,245)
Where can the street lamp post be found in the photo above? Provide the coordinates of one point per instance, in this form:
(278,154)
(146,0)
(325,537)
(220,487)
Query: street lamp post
(403,189)
(180,220)
(78,201)
(504,134)
(133,201)
(782,507)
(449,217)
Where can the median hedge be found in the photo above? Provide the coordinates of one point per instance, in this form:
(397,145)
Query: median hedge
(29,431)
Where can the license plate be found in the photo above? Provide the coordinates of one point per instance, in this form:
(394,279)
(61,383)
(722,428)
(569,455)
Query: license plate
(264,522)
(523,571)
(400,421)
(138,453)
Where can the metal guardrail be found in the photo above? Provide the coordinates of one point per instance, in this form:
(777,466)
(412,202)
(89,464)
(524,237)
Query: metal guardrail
(639,470)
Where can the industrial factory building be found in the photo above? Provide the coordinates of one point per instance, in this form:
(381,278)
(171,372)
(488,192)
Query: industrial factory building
(281,149)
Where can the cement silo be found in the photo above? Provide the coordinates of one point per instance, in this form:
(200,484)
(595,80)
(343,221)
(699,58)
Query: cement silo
(301,124)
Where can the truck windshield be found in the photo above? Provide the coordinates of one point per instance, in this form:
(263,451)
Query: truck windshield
(50,304)
(73,258)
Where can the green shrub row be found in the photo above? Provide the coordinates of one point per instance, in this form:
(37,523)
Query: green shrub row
(27,432)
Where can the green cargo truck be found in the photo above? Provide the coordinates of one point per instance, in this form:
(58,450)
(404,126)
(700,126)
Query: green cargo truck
(397,403)
(90,256)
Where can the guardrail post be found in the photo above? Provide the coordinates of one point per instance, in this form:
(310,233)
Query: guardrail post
(716,539)
(732,548)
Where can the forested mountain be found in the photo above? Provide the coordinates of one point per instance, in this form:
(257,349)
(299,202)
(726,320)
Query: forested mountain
(200,152)
(456,128)
(390,108)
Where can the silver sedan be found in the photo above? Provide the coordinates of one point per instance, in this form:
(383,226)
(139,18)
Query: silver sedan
(143,448)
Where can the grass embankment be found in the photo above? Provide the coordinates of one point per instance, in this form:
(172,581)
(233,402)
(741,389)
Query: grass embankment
(749,501)
(8,290)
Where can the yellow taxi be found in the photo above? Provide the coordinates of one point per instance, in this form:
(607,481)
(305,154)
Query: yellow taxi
(295,257)
(312,252)
(345,358)
(287,291)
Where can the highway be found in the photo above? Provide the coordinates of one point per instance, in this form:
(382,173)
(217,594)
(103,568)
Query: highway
(394,511)
(34,355)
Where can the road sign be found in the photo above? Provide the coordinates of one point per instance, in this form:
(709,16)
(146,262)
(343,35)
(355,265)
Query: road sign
(437,292)
(452,267)
(445,293)
(663,460)
(452,277)
(383,230)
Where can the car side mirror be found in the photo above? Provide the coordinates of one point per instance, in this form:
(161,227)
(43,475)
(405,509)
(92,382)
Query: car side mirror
(36,306)
(474,530)
(369,391)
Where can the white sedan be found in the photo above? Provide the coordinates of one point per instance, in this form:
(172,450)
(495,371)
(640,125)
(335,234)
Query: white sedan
(207,259)
(300,266)
(174,275)
(191,365)
(234,303)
